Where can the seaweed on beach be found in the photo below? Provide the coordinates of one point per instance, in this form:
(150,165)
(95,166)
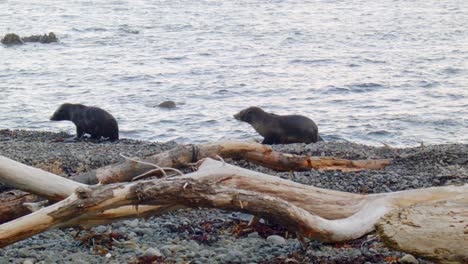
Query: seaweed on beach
(101,243)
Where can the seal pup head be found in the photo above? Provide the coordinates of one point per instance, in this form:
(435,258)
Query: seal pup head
(249,114)
(63,112)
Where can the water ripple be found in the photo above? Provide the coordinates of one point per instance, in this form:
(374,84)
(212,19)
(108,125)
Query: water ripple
(363,72)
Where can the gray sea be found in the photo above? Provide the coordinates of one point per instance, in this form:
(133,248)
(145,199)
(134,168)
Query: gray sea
(372,72)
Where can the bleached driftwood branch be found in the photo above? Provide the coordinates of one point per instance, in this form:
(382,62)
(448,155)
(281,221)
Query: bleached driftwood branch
(215,185)
(435,230)
(36,181)
(314,212)
(54,188)
(183,155)
(180,156)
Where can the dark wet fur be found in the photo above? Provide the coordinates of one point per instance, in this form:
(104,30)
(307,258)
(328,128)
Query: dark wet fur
(88,119)
(280,129)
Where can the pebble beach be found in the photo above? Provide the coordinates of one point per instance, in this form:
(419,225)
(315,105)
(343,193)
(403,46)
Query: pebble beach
(381,79)
(201,235)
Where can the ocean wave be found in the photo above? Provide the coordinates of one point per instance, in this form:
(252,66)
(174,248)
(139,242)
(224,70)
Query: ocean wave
(313,62)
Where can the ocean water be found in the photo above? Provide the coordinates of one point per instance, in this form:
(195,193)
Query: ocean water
(371,72)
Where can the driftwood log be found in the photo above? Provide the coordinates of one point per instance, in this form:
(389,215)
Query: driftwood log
(313,212)
(13,204)
(437,230)
(178,157)
(260,154)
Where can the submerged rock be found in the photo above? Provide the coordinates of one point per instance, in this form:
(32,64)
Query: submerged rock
(167,104)
(14,39)
(46,38)
(11,39)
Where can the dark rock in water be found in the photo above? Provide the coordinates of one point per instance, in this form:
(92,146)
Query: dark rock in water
(131,31)
(167,104)
(11,39)
(42,38)
(14,39)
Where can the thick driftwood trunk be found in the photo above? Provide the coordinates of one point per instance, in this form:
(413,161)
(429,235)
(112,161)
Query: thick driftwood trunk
(438,231)
(184,155)
(315,213)
(36,181)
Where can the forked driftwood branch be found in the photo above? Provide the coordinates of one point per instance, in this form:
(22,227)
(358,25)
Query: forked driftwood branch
(217,185)
(183,155)
(178,157)
(314,212)
(55,188)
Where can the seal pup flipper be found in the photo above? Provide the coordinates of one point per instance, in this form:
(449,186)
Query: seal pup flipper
(270,141)
(79,132)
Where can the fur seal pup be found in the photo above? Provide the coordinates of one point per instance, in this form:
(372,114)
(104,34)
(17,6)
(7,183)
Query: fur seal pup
(88,119)
(280,129)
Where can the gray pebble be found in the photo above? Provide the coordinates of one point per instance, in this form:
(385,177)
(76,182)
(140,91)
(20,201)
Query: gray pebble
(100,229)
(132,235)
(133,223)
(409,259)
(253,235)
(150,252)
(207,253)
(234,255)
(168,250)
(221,257)
(193,246)
(26,253)
(276,240)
